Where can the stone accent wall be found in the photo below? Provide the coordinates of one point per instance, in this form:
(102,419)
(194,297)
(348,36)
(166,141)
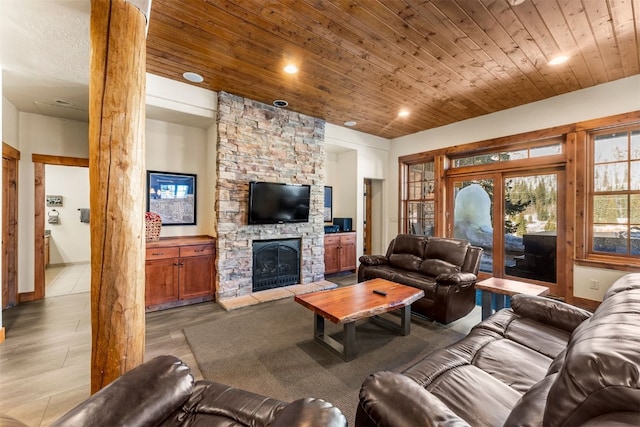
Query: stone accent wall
(258,142)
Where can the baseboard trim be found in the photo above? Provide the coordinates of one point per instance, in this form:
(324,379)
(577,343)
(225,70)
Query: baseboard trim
(68,264)
(26,296)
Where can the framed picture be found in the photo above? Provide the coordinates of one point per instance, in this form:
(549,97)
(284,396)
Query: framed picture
(172,196)
(328,204)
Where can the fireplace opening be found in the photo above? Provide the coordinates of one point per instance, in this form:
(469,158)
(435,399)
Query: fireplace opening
(276,263)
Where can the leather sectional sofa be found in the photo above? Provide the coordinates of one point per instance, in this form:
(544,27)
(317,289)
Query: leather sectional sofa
(445,269)
(540,363)
(162,392)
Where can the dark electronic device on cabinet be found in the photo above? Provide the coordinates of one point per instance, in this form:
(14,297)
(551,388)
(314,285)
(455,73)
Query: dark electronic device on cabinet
(343,223)
(331,228)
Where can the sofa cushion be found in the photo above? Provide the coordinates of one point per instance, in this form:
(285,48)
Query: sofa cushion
(486,402)
(418,280)
(409,244)
(405,261)
(435,267)
(384,271)
(452,251)
(537,336)
(529,410)
(521,370)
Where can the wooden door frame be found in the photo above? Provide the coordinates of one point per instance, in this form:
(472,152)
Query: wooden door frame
(10,228)
(560,288)
(367,216)
(39,162)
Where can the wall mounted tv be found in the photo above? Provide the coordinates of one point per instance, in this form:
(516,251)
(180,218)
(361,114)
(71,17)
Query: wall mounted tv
(275,203)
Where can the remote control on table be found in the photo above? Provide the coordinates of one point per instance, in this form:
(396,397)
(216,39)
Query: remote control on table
(383,293)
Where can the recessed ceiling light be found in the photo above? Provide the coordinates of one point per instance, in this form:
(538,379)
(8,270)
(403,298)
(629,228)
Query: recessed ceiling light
(280,103)
(63,102)
(403,113)
(193,77)
(515,2)
(290,69)
(350,123)
(560,59)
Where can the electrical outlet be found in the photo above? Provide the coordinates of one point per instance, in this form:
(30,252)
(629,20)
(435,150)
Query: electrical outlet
(595,284)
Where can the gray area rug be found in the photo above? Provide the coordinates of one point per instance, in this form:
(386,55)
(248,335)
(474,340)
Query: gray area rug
(269,349)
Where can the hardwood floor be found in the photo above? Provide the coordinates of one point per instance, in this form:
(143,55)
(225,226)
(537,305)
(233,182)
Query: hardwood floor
(44,361)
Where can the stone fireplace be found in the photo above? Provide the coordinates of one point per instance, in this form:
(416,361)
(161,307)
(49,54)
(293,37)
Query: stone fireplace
(276,263)
(259,142)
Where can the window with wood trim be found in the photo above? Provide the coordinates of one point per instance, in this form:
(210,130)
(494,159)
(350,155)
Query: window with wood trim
(614,193)
(418,202)
(547,147)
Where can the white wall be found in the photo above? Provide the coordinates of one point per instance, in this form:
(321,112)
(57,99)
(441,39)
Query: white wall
(608,99)
(170,147)
(177,148)
(9,122)
(70,241)
(361,156)
(40,135)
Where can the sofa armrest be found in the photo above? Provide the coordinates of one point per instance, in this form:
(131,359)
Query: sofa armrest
(549,311)
(146,395)
(460,279)
(618,419)
(310,412)
(392,399)
(7,421)
(374,259)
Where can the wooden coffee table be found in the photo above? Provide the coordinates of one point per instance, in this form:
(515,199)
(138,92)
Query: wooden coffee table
(496,290)
(345,305)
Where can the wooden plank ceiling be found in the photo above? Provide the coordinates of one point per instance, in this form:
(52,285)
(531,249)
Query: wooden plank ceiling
(365,60)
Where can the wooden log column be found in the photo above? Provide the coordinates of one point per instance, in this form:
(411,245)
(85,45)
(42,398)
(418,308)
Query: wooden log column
(116,174)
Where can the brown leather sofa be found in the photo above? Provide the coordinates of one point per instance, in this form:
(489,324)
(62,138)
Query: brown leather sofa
(540,363)
(162,392)
(445,269)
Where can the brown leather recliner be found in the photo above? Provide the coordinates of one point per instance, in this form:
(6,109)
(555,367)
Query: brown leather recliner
(541,362)
(162,392)
(445,269)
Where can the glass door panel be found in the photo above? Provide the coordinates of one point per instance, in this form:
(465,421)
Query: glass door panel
(473,216)
(530,226)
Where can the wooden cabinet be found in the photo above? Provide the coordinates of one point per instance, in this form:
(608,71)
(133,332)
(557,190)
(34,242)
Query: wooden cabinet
(339,252)
(179,271)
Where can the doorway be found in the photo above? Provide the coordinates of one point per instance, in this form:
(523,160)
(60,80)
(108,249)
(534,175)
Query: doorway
(40,217)
(366,233)
(373,203)
(527,209)
(10,157)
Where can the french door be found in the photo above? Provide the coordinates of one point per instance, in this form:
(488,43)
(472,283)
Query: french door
(516,217)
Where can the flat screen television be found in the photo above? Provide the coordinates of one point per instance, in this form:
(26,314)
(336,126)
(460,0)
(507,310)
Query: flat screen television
(276,203)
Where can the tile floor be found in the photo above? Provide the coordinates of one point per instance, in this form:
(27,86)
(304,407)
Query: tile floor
(67,279)
(45,358)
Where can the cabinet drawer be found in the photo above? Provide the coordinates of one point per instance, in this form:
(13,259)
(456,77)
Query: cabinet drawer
(331,240)
(197,250)
(348,238)
(162,253)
